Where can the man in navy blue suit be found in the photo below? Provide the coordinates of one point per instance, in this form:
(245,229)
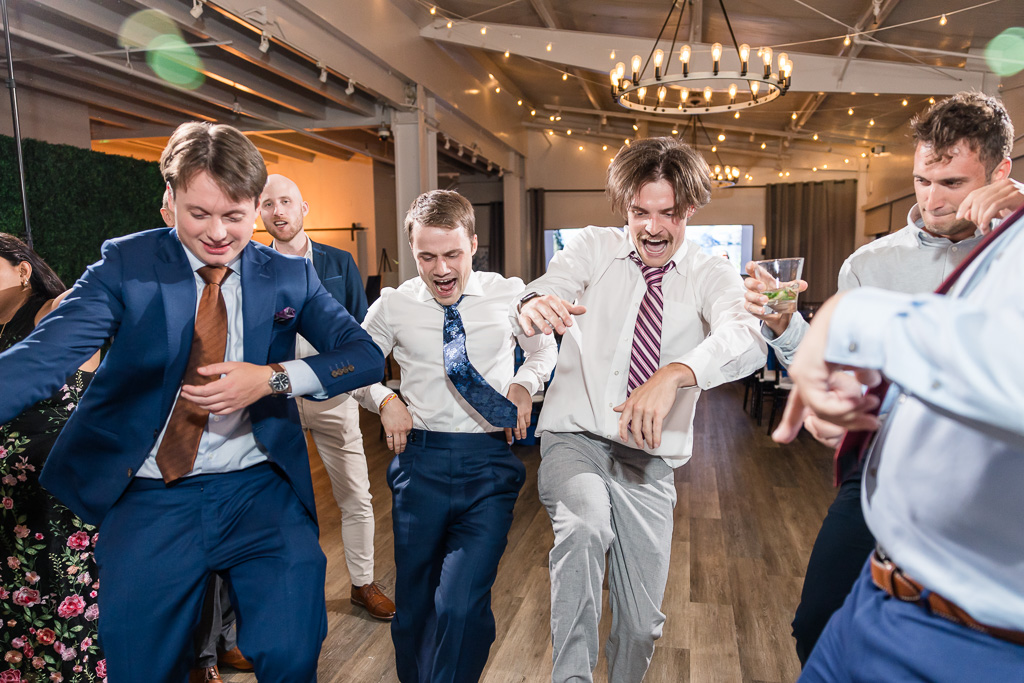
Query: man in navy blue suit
(334,424)
(242,505)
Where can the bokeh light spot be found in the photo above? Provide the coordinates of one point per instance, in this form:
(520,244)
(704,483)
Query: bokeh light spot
(1005,53)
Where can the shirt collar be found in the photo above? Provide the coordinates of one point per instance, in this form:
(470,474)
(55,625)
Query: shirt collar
(309,246)
(916,222)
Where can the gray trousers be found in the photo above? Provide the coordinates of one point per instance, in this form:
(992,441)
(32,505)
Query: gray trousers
(605,499)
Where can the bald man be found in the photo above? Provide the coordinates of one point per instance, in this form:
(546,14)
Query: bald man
(334,423)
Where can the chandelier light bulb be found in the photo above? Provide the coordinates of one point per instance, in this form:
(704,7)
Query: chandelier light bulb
(641,93)
(614,76)
(766,56)
(732,93)
(635,64)
(718,170)
(754,87)
(620,71)
(659,58)
(744,58)
(662,91)
(707,94)
(684,57)
(716,57)
(685,95)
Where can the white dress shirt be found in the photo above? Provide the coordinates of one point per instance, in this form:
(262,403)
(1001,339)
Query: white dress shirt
(228,443)
(942,489)
(909,260)
(409,322)
(704,326)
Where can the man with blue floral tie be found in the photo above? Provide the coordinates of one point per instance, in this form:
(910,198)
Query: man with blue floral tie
(454,478)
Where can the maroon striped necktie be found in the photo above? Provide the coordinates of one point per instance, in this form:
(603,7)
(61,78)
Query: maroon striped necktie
(646,355)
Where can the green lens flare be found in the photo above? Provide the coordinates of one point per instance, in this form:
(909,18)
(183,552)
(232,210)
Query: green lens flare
(141,28)
(1005,53)
(173,60)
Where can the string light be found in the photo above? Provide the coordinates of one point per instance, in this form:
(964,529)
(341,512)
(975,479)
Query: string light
(519,102)
(581,148)
(850,111)
(847,41)
(604,148)
(548,47)
(721,137)
(506,54)
(863,155)
(846,161)
(814,168)
(483,30)
(714,148)
(815,137)
(565,76)
(942,21)
(611,56)
(568,131)
(763,145)
(533,112)
(736,115)
(497,90)
(793,116)
(871,122)
(449,23)
(904,103)
(433,9)
(931,100)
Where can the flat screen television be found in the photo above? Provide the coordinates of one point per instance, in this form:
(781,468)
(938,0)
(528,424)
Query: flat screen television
(734,242)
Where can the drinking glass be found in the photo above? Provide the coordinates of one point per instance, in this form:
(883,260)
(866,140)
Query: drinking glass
(781,280)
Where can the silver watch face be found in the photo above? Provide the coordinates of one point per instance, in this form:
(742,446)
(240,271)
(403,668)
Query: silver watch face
(279,382)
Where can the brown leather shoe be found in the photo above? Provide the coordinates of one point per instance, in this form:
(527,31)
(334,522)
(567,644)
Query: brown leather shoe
(207,674)
(373,599)
(235,659)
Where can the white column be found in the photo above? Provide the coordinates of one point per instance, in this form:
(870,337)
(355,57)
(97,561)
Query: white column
(516,223)
(415,168)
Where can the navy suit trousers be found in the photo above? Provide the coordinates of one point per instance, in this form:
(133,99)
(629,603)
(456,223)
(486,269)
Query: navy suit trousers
(453,498)
(157,549)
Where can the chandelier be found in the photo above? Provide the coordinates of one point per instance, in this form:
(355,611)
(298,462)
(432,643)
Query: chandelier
(722,175)
(713,91)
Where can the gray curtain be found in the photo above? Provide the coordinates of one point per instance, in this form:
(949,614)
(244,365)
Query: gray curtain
(534,242)
(816,221)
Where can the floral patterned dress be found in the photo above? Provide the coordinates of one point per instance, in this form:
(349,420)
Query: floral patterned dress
(48,578)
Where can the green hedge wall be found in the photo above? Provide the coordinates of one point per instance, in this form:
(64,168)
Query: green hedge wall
(77,198)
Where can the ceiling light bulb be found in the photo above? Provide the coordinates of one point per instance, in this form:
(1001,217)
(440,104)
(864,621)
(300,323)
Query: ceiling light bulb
(825,166)
(604,148)
(636,127)
(942,21)
(763,145)
(732,91)
(766,55)
(611,56)
(635,64)
(815,136)
(846,161)
(519,102)
(449,24)
(433,9)
(613,75)
(568,131)
(707,93)
(904,103)
(685,94)
(850,111)
(659,58)
(620,71)
(565,76)
(506,54)
(787,173)
(754,87)
(744,53)
(814,168)
(847,40)
(716,51)
(641,93)
(793,116)
(718,169)
(736,115)
(931,100)
(533,112)
(483,30)
(714,148)
(581,148)
(871,122)
(675,131)
(863,155)
(684,54)
(551,118)
(721,137)
(548,47)
(662,91)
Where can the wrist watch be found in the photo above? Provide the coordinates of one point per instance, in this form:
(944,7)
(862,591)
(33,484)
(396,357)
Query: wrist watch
(279,382)
(531,295)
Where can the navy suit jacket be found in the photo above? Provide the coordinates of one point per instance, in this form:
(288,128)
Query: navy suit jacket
(142,294)
(338,272)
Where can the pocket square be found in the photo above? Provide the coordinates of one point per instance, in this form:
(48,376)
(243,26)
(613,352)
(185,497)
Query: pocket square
(284,315)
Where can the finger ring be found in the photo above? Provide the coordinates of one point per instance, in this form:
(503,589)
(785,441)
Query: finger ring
(390,436)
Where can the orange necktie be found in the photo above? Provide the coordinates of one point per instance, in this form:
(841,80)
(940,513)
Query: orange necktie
(177,452)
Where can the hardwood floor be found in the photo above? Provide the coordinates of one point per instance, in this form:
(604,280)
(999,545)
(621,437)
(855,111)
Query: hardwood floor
(746,517)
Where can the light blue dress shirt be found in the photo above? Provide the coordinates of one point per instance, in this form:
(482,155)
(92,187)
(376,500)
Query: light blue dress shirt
(942,487)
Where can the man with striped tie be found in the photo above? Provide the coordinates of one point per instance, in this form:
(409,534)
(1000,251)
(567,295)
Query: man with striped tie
(648,322)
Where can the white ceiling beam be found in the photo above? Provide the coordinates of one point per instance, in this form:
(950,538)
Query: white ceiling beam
(546,13)
(811,73)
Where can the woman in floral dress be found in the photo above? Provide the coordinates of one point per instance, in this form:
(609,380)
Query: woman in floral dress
(48,581)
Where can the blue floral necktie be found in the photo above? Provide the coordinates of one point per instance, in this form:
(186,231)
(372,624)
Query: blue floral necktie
(494,407)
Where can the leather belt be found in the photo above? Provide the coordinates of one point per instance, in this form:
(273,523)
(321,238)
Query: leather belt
(891,579)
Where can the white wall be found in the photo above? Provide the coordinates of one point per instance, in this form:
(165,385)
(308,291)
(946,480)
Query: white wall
(41,117)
